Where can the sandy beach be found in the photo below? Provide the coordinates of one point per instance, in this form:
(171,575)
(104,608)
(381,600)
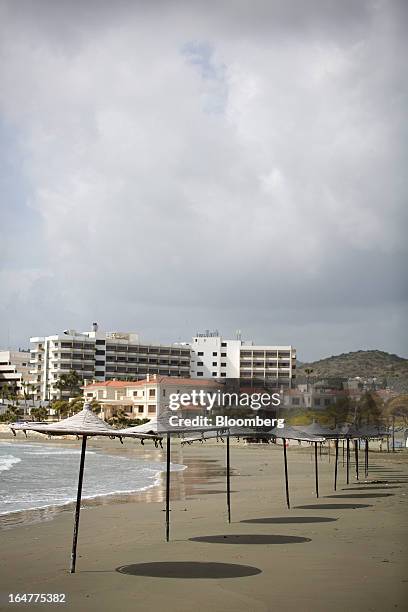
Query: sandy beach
(346,550)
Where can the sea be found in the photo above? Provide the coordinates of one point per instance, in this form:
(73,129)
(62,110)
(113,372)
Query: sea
(34,476)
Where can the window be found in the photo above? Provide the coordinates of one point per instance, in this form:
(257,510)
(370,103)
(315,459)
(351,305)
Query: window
(199,373)
(223,354)
(99,352)
(164,392)
(151,408)
(223,374)
(140,409)
(200,363)
(152,392)
(100,363)
(100,342)
(214,373)
(215,354)
(223,344)
(223,365)
(200,353)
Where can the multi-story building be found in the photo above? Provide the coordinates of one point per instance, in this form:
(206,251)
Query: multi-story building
(213,356)
(101,356)
(142,399)
(15,370)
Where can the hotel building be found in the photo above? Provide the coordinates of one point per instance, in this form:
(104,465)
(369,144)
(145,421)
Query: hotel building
(102,357)
(213,356)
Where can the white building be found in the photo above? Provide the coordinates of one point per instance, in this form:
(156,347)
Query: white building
(15,370)
(213,356)
(101,356)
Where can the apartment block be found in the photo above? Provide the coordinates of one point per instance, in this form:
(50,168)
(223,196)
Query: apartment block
(101,356)
(15,370)
(213,356)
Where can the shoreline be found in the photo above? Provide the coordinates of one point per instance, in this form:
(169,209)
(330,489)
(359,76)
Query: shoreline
(37,514)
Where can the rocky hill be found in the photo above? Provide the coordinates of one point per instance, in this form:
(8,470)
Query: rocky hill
(366,364)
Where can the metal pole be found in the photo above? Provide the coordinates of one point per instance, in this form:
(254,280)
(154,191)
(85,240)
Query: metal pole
(335,464)
(328,442)
(228,480)
(343,453)
(348,460)
(393,433)
(366,458)
(78,506)
(168,451)
(317,470)
(285,459)
(356,456)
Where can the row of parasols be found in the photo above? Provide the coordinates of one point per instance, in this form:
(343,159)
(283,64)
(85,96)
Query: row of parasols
(86,424)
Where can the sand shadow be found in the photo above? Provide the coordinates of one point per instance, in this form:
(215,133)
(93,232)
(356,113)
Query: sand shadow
(189,569)
(360,495)
(281,520)
(368,488)
(333,506)
(250,538)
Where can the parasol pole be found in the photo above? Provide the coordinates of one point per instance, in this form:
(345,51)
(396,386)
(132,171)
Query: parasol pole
(316,470)
(228,480)
(285,460)
(366,458)
(348,460)
(356,456)
(335,464)
(168,451)
(78,506)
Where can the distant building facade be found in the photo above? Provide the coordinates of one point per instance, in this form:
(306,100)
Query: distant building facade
(15,371)
(106,356)
(142,399)
(213,356)
(101,356)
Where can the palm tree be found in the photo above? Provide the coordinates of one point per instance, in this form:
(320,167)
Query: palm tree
(71,382)
(308,371)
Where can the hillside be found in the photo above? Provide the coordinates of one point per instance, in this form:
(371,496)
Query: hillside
(366,364)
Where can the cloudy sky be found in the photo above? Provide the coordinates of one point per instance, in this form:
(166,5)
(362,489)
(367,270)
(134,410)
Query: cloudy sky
(170,167)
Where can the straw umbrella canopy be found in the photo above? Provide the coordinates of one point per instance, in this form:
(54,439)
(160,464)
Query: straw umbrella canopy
(86,424)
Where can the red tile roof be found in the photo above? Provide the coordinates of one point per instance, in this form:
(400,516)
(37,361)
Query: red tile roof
(168,380)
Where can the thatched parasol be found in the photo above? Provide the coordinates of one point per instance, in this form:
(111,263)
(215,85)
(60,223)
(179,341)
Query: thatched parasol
(86,424)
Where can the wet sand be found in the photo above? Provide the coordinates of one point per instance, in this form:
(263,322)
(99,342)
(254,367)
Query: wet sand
(343,552)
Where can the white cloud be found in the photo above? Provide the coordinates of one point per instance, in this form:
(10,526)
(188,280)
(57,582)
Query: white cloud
(176,159)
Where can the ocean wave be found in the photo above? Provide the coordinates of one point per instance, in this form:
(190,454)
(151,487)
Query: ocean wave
(7,462)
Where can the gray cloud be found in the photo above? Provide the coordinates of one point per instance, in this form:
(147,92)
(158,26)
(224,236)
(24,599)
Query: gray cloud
(183,168)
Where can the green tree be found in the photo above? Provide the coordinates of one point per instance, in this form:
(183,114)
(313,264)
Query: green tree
(39,414)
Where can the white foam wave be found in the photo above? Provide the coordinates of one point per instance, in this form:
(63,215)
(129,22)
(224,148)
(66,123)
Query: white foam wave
(7,462)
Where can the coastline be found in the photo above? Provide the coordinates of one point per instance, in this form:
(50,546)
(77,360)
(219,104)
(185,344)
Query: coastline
(104,446)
